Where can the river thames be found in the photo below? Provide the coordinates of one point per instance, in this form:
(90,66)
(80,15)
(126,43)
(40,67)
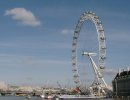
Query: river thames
(37,98)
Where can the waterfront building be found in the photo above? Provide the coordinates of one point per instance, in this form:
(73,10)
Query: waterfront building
(3,86)
(121,84)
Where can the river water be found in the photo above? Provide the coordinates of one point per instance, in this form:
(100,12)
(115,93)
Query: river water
(18,98)
(37,98)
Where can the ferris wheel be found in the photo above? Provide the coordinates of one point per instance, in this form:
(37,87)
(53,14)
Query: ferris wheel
(101,50)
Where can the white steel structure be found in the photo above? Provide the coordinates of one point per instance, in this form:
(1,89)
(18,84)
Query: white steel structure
(101,52)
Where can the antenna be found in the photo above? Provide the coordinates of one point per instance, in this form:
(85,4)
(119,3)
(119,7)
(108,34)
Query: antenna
(128,69)
(119,71)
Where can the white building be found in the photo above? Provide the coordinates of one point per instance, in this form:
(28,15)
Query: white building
(3,86)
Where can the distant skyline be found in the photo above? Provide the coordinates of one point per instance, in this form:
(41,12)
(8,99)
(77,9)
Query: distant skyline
(36,38)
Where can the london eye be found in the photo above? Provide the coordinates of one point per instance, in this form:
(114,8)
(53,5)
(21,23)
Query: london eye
(82,46)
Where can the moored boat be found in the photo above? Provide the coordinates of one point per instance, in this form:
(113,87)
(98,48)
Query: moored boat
(42,96)
(80,96)
(28,97)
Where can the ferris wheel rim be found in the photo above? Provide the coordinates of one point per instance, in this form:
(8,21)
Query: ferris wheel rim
(101,43)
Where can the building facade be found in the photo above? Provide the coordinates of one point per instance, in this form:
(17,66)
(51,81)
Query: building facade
(121,84)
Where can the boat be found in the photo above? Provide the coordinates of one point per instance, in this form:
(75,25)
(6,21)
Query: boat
(28,97)
(42,96)
(46,96)
(49,97)
(80,97)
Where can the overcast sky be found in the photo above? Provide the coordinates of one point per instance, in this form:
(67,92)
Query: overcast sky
(36,38)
